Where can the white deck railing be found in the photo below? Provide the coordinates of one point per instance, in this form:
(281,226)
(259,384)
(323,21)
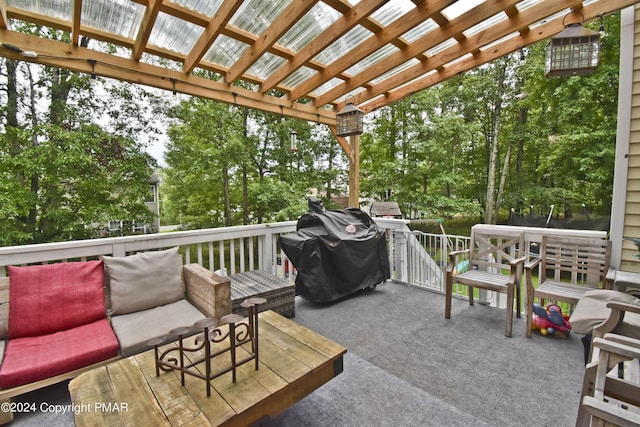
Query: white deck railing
(416,258)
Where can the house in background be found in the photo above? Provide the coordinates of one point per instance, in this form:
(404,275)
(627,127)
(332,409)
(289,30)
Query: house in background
(385,210)
(153,202)
(118,227)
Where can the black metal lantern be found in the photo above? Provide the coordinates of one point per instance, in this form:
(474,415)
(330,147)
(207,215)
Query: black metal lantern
(574,51)
(293,137)
(349,120)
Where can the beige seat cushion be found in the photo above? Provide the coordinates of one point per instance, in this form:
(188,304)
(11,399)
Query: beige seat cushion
(134,330)
(144,280)
(592,310)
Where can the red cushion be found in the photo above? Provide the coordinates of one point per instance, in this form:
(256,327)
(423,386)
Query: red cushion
(32,359)
(44,299)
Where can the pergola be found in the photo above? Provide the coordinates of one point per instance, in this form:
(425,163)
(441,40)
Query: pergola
(298,58)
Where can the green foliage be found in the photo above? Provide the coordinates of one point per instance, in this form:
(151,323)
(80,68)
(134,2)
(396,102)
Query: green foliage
(62,176)
(496,138)
(228,166)
(555,140)
(70,185)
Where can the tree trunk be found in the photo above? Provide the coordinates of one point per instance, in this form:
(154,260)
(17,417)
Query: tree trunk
(34,179)
(226,196)
(503,180)
(491,212)
(12,104)
(490,206)
(245,179)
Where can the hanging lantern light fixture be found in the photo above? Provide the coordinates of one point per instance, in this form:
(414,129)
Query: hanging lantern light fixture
(349,120)
(574,51)
(293,137)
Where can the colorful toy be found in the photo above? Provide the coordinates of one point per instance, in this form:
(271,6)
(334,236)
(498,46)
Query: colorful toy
(550,321)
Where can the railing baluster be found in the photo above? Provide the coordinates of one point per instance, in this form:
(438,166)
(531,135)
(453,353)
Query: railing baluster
(232,256)
(242,243)
(211,263)
(251,255)
(221,255)
(187,254)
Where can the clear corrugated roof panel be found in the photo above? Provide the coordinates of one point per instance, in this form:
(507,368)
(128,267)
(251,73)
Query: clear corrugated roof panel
(207,7)
(166,63)
(319,18)
(343,45)
(344,97)
(375,57)
(460,7)
(420,30)
(557,15)
(442,46)
(225,51)
(267,64)
(122,17)
(487,23)
(500,41)
(174,34)
(255,16)
(526,4)
(327,86)
(300,76)
(61,9)
(392,11)
(396,70)
(460,59)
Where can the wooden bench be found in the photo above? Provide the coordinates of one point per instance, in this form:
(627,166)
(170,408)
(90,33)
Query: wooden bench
(280,293)
(567,268)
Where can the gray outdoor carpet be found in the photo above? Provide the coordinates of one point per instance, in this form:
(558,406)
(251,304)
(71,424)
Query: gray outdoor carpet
(464,363)
(365,395)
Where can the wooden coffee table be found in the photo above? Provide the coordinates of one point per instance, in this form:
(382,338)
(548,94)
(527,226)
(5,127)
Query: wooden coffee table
(294,361)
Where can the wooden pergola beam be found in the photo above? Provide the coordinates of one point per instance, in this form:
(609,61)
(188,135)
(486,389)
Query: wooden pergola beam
(58,54)
(369,46)
(414,50)
(211,32)
(269,37)
(4,21)
(146,26)
(350,19)
(75,26)
(392,92)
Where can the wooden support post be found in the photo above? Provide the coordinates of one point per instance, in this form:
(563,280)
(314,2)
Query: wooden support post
(354,172)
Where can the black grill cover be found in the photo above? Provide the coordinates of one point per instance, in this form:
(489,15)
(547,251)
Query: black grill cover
(336,253)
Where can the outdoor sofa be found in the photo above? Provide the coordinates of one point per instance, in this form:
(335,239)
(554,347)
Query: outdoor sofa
(67,318)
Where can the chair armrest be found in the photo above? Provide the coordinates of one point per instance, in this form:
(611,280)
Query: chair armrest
(532,264)
(623,306)
(618,309)
(452,258)
(460,252)
(207,291)
(516,271)
(517,261)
